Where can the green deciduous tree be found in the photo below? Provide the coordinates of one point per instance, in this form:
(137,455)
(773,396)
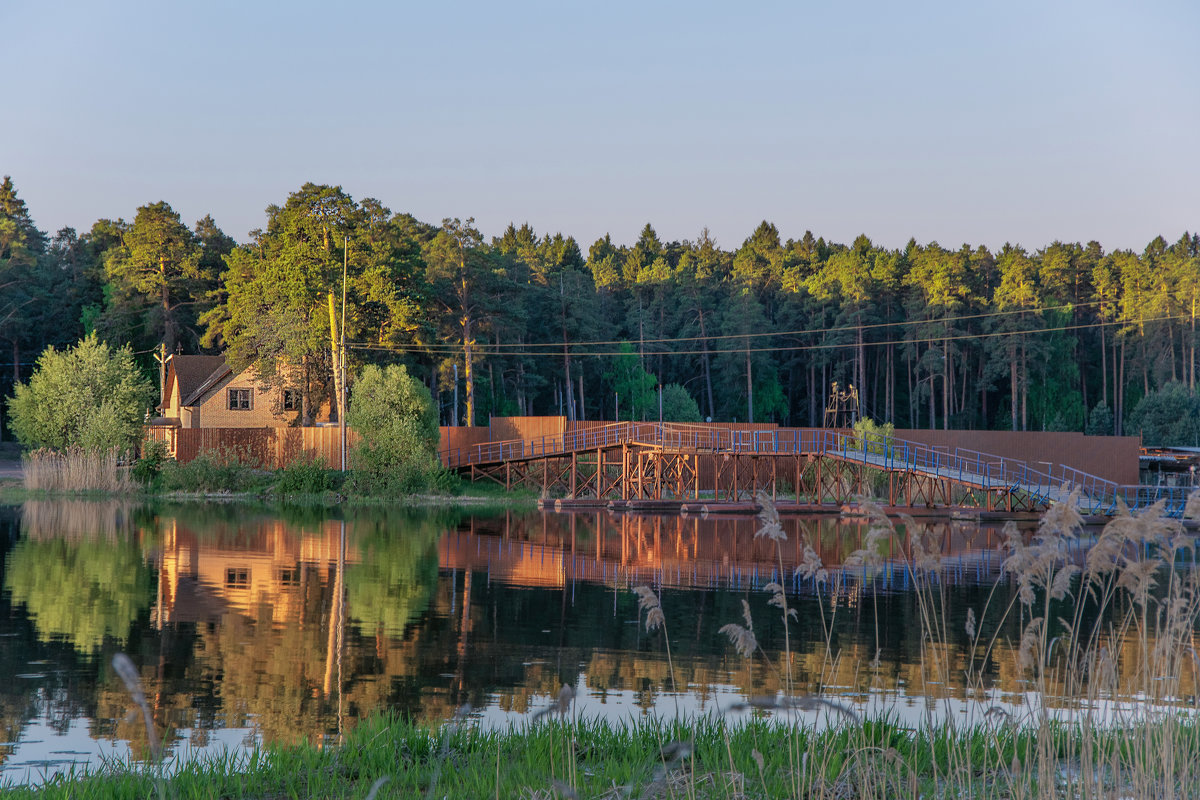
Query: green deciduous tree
(394,416)
(87,396)
(633,386)
(83,592)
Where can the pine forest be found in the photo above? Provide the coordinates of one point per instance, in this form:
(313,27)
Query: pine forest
(1067,336)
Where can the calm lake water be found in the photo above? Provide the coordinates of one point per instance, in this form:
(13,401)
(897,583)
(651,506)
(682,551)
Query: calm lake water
(232,616)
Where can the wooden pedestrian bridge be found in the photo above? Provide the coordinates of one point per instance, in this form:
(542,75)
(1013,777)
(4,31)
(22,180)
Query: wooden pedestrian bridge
(660,464)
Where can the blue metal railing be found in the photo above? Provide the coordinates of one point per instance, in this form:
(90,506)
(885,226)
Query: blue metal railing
(970,467)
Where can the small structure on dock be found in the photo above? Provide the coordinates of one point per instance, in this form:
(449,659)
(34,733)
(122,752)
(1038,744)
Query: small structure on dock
(842,409)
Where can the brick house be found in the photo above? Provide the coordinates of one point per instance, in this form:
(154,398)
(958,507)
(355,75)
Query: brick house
(204,392)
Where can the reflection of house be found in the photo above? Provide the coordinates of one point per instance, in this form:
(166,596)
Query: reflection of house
(265,568)
(204,391)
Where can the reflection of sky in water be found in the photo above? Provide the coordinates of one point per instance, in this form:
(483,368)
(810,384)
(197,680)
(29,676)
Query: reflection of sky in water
(232,613)
(905,710)
(43,751)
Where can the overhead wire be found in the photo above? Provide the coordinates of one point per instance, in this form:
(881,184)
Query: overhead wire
(766,334)
(482,350)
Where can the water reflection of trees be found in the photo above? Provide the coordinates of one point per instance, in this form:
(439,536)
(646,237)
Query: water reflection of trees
(262,597)
(240,632)
(84,586)
(396,571)
(42,679)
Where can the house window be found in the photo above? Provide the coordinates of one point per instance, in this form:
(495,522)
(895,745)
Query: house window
(236,578)
(291,400)
(239,399)
(289,576)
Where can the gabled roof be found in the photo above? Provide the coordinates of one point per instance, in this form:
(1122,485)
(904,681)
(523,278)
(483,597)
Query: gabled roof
(197,373)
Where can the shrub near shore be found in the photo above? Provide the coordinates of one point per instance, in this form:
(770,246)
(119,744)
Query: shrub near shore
(226,472)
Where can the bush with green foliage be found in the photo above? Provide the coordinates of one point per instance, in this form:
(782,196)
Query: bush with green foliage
(87,396)
(394,416)
(306,475)
(633,385)
(1168,417)
(221,470)
(148,467)
(876,438)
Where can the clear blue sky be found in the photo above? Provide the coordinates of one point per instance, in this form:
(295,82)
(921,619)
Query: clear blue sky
(959,121)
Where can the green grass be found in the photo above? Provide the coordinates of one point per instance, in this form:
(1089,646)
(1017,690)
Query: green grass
(705,759)
(306,483)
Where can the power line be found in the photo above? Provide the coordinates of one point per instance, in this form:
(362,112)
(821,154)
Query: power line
(482,350)
(499,346)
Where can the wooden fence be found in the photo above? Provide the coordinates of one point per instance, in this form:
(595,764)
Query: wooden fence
(271,448)
(507,429)
(462,438)
(1114,458)
(275,448)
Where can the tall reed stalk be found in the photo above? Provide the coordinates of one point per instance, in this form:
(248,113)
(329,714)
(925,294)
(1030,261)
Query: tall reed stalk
(1104,646)
(76,470)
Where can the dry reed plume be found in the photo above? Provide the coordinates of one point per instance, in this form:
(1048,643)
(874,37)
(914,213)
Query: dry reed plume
(76,470)
(1104,647)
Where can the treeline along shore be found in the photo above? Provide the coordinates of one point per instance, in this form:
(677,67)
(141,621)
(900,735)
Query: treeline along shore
(1060,336)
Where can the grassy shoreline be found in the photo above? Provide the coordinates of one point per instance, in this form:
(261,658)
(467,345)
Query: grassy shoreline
(475,498)
(704,758)
(223,475)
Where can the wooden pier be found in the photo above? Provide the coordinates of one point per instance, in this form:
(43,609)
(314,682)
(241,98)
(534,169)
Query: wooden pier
(648,464)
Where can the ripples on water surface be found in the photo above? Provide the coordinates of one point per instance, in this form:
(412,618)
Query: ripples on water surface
(232,617)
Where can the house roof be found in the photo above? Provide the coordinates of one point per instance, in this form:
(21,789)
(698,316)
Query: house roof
(195,374)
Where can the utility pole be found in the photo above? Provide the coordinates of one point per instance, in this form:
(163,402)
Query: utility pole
(337,346)
(749,384)
(454,411)
(335,352)
(341,366)
(160,355)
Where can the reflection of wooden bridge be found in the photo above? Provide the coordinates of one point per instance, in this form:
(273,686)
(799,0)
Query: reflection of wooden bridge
(558,550)
(659,462)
